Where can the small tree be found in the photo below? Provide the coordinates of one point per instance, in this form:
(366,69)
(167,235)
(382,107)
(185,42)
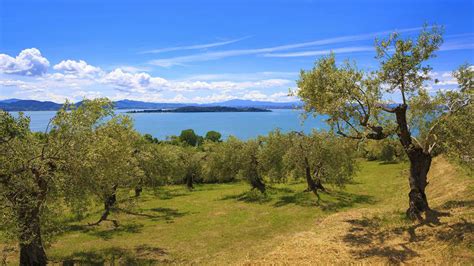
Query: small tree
(270,156)
(223,160)
(250,166)
(353,101)
(111,162)
(213,136)
(192,165)
(189,137)
(320,158)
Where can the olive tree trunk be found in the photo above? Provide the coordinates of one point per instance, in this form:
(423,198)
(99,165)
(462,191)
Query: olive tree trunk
(189,181)
(420,162)
(257,183)
(109,203)
(31,245)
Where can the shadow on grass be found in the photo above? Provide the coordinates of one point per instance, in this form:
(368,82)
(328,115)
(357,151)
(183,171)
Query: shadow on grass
(166,194)
(458,204)
(334,201)
(106,234)
(368,239)
(372,237)
(141,255)
(252,196)
(166,214)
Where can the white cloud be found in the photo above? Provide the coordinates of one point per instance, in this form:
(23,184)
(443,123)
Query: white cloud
(78,68)
(29,62)
(139,82)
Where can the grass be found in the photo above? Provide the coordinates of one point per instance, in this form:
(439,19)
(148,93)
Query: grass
(227,223)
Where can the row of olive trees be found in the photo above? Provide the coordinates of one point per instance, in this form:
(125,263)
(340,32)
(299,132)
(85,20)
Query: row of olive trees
(88,155)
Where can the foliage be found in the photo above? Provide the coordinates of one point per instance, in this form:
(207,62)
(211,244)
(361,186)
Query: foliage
(329,159)
(213,136)
(352,99)
(223,160)
(190,138)
(387,150)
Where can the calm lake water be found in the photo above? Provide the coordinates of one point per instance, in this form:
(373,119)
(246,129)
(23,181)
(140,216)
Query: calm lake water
(241,125)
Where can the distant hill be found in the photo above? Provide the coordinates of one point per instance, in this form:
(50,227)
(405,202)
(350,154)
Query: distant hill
(259,104)
(130,104)
(33,105)
(203,109)
(10,100)
(28,105)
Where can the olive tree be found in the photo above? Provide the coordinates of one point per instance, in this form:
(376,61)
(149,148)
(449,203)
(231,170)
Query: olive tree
(37,169)
(353,100)
(270,156)
(111,162)
(321,158)
(222,163)
(250,167)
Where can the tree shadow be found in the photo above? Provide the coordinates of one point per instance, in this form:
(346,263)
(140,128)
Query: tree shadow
(368,239)
(371,238)
(336,200)
(166,194)
(303,199)
(166,214)
(458,204)
(252,196)
(456,232)
(343,199)
(109,233)
(140,255)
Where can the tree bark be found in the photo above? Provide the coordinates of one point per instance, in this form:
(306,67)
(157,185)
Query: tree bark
(31,245)
(189,181)
(138,191)
(258,184)
(420,163)
(108,204)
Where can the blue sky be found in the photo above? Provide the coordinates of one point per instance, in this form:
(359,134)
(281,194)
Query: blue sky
(204,51)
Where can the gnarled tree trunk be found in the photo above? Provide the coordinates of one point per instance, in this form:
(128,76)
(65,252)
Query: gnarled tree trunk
(420,163)
(31,245)
(257,183)
(108,205)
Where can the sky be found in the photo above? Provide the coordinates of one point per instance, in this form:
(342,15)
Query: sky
(205,51)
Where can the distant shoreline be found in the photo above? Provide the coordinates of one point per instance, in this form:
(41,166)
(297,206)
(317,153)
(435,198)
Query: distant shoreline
(203,109)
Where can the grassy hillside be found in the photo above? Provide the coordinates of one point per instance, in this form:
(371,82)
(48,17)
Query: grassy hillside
(228,224)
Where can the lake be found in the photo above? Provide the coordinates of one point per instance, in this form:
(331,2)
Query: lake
(241,125)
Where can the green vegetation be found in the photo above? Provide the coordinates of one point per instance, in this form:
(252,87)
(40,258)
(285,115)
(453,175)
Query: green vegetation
(90,188)
(215,221)
(353,99)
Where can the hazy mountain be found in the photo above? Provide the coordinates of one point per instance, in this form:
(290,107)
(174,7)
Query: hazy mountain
(260,104)
(28,105)
(33,105)
(10,100)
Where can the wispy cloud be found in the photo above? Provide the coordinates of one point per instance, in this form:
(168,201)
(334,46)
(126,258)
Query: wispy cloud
(324,52)
(181,60)
(193,47)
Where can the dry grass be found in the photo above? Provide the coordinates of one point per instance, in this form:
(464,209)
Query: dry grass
(381,235)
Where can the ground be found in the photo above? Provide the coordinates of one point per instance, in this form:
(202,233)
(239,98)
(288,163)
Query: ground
(227,224)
